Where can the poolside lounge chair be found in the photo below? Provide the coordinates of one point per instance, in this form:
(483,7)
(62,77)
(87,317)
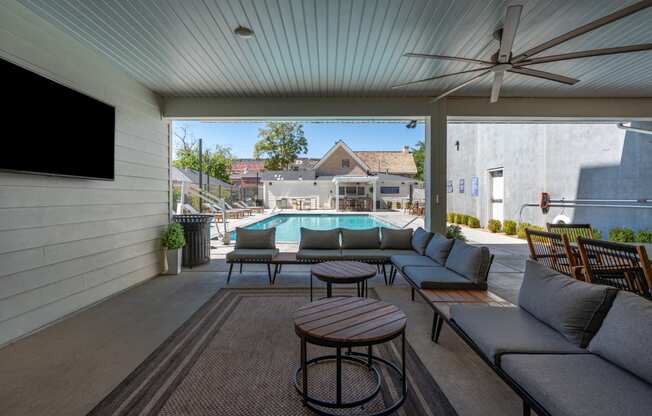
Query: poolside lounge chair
(254,209)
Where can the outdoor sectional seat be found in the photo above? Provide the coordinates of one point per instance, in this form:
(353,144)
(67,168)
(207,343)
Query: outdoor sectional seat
(253,246)
(445,264)
(569,347)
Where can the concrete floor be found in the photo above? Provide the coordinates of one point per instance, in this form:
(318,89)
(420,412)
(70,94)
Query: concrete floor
(69,367)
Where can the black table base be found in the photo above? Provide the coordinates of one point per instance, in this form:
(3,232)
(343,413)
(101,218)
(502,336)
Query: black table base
(354,358)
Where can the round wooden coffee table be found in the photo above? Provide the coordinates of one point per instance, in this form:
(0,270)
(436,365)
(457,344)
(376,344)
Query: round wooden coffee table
(344,323)
(343,272)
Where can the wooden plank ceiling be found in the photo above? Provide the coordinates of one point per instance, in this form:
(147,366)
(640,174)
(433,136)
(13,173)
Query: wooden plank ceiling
(346,47)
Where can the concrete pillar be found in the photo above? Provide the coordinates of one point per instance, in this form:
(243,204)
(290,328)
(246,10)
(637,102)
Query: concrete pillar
(435,168)
(373,202)
(337,196)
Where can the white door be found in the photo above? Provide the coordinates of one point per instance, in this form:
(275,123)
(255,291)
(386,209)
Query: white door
(497,194)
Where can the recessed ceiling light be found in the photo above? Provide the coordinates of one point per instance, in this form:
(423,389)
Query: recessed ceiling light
(244,32)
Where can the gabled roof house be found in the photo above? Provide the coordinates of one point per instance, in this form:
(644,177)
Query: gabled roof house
(344,179)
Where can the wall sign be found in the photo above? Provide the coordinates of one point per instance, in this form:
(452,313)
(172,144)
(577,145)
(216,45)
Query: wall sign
(475,186)
(461,186)
(449,187)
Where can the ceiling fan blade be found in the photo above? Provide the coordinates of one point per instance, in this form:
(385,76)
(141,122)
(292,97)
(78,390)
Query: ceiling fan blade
(587,54)
(439,76)
(462,85)
(446,58)
(495,88)
(544,75)
(584,29)
(512,17)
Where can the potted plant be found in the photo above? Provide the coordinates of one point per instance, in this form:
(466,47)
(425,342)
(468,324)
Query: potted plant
(173,240)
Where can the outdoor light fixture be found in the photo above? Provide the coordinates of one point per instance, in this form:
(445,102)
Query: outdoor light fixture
(457,145)
(244,32)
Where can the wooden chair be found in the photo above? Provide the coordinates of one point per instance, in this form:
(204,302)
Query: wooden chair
(552,250)
(624,266)
(571,230)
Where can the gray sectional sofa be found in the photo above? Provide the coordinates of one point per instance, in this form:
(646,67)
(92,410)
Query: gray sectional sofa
(569,347)
(443,263)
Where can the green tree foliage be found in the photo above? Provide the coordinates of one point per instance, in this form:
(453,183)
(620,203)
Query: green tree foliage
(217,161)
(419,155)
(280,143)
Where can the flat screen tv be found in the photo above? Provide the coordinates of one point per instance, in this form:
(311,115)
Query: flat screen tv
(50,129)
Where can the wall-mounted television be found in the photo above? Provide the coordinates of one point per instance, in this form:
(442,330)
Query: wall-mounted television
(50,129)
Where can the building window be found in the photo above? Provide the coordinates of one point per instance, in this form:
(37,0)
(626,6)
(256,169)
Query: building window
(389,189)
(351,190)
(361,190)
(342,190)
(345,163)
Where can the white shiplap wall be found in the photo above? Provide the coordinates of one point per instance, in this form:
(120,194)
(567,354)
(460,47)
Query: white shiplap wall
(68,243)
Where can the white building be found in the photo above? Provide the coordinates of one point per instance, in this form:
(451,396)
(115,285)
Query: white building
(345,180)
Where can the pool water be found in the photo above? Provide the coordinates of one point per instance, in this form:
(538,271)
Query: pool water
(288,226)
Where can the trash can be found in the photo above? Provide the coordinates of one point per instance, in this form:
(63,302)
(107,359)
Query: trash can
(196,229)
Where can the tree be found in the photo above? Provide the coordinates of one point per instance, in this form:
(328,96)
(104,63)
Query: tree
(281,143)
(419,155)
(217,162)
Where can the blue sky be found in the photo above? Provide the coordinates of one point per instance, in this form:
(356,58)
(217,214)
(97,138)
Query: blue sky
(241,137)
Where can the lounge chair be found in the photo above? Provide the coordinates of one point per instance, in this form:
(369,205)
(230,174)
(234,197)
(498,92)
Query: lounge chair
(253,246)
(254,209)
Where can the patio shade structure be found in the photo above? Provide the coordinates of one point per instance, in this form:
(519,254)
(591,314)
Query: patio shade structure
(373,180)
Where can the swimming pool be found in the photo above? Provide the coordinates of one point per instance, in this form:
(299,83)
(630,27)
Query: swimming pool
(288,226)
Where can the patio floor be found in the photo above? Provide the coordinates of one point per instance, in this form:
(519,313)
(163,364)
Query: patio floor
(67,368)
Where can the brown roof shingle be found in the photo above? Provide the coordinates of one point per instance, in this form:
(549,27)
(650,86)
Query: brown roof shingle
(398,162)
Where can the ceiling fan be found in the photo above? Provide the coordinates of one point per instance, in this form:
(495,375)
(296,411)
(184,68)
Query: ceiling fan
(504,61)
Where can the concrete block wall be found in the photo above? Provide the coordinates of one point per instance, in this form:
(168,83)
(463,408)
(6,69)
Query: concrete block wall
(568,160)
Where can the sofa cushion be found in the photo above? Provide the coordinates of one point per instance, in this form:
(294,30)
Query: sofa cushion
(625,336)
(420,240)
(319,239)
(361,239)
(396,239)
(401,261)
(579,385)
(470,261)
(251,255)
(365,254)
(255,239)
(572,307)
(503,330)
(438,248)
(316,255)
(438,277)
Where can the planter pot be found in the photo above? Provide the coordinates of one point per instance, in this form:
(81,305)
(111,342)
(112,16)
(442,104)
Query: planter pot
(173,260)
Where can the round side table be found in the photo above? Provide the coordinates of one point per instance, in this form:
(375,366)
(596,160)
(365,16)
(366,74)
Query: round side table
(344,323)
(343,272)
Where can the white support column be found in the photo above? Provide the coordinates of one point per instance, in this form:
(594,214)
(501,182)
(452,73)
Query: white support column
(435,168)
(373,202)
(337,196)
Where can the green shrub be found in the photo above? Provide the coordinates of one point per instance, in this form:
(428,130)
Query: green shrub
(622,235)
(455,231)
(450,217)
(644,236)
(173,237)
(597,234)
(509,227)
(465,219)
(494,226)
(457,218)
(520,230)
(473,222)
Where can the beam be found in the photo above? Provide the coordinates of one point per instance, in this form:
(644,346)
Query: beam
(408,108)
(435,169)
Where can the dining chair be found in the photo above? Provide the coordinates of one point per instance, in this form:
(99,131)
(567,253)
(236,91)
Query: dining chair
(571,230)
(552,250)
(625,266)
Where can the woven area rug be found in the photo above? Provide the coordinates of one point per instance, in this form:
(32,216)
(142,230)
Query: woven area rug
(237,355)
